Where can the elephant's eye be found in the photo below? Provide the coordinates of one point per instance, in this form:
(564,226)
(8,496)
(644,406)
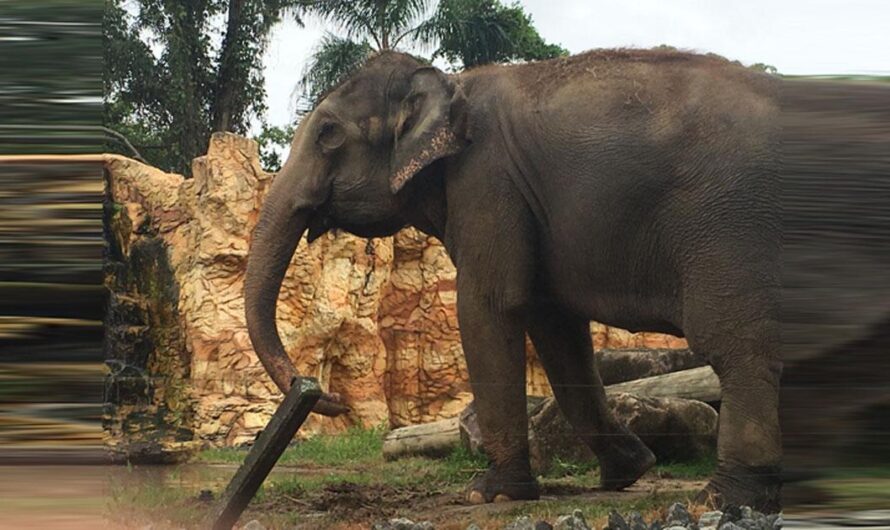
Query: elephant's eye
(331,135)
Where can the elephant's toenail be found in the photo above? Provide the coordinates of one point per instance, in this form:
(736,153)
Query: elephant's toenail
(476,497)
(500,497)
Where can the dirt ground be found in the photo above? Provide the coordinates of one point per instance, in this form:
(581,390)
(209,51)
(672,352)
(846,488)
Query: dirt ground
(348,505)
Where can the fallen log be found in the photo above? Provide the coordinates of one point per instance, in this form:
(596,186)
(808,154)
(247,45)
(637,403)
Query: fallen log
(619,366)
(439,438)
(700,384)
(434,439)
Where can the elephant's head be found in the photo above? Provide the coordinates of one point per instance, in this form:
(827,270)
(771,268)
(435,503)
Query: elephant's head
(349,158)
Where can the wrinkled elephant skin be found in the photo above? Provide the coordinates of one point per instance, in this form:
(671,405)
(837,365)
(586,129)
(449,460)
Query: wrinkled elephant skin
(636,188)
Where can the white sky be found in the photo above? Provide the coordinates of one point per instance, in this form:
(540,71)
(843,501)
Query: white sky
(795,36)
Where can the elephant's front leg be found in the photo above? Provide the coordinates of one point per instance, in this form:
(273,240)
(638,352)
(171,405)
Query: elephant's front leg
(494,344)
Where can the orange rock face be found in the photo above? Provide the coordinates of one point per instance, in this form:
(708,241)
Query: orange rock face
(374,320)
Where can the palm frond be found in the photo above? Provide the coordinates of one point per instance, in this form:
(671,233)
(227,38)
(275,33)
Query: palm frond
(333,60)
(380,21)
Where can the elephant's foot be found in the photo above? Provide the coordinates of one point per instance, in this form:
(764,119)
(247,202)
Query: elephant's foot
(625,460)
(760,488)
(498,485)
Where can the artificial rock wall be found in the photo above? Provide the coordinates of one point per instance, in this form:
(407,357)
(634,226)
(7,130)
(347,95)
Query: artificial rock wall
(374,320)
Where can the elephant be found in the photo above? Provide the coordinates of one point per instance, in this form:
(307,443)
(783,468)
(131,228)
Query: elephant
(637,188)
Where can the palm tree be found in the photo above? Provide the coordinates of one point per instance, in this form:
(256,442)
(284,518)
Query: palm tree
(467,32)
(474,32)
(365,26)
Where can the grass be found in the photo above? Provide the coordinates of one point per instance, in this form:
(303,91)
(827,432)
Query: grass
(451,473)
(698,469)
(324,465)
(355,447)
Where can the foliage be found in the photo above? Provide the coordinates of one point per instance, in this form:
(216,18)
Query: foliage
(177,70)
(474,32)
(765,68)
(385,22)
(272,140)
(366,26)
(468,33)
(331,62)
(169,81)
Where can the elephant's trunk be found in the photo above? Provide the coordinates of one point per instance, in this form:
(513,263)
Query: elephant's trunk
(274,241)
(283,219)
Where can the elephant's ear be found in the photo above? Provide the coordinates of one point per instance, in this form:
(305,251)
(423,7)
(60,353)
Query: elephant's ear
(429,126)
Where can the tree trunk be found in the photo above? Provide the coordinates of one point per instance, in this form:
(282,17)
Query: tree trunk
(700,384)
(224,100)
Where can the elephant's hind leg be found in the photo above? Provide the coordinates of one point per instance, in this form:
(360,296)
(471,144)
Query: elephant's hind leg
(749,445)
(565,349)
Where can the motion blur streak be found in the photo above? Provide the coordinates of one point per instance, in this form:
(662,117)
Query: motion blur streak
(835,148)
(51,295)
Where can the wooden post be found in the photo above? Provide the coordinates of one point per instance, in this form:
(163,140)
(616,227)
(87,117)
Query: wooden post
(266,451)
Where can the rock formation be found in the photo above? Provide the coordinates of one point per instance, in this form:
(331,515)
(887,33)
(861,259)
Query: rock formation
(374,320)
(675,429)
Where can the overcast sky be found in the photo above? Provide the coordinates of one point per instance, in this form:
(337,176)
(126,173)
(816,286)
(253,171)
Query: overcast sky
(795,36)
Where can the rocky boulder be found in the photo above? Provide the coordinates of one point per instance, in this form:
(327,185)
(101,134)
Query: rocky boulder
(674,429)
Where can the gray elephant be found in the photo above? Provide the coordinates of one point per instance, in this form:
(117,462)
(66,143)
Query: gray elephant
(636,188)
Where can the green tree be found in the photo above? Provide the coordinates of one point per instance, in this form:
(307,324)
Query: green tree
(331,61)
(168,84)
(765,68)
(467,32)
(474,32)
(272,142)
(364,26)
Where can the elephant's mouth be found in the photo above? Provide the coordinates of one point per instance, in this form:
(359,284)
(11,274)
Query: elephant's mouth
(384,228)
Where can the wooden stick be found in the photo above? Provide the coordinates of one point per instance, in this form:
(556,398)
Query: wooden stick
(291,414)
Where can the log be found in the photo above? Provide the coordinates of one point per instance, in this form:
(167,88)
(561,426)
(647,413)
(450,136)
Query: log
(439,438)
(434,439)
(700,384)
(619,366)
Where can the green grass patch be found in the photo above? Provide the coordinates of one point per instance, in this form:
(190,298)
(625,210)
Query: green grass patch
(569,468)
(356,457)
(356,446)
(451,473)
(312,472)
(700,469)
